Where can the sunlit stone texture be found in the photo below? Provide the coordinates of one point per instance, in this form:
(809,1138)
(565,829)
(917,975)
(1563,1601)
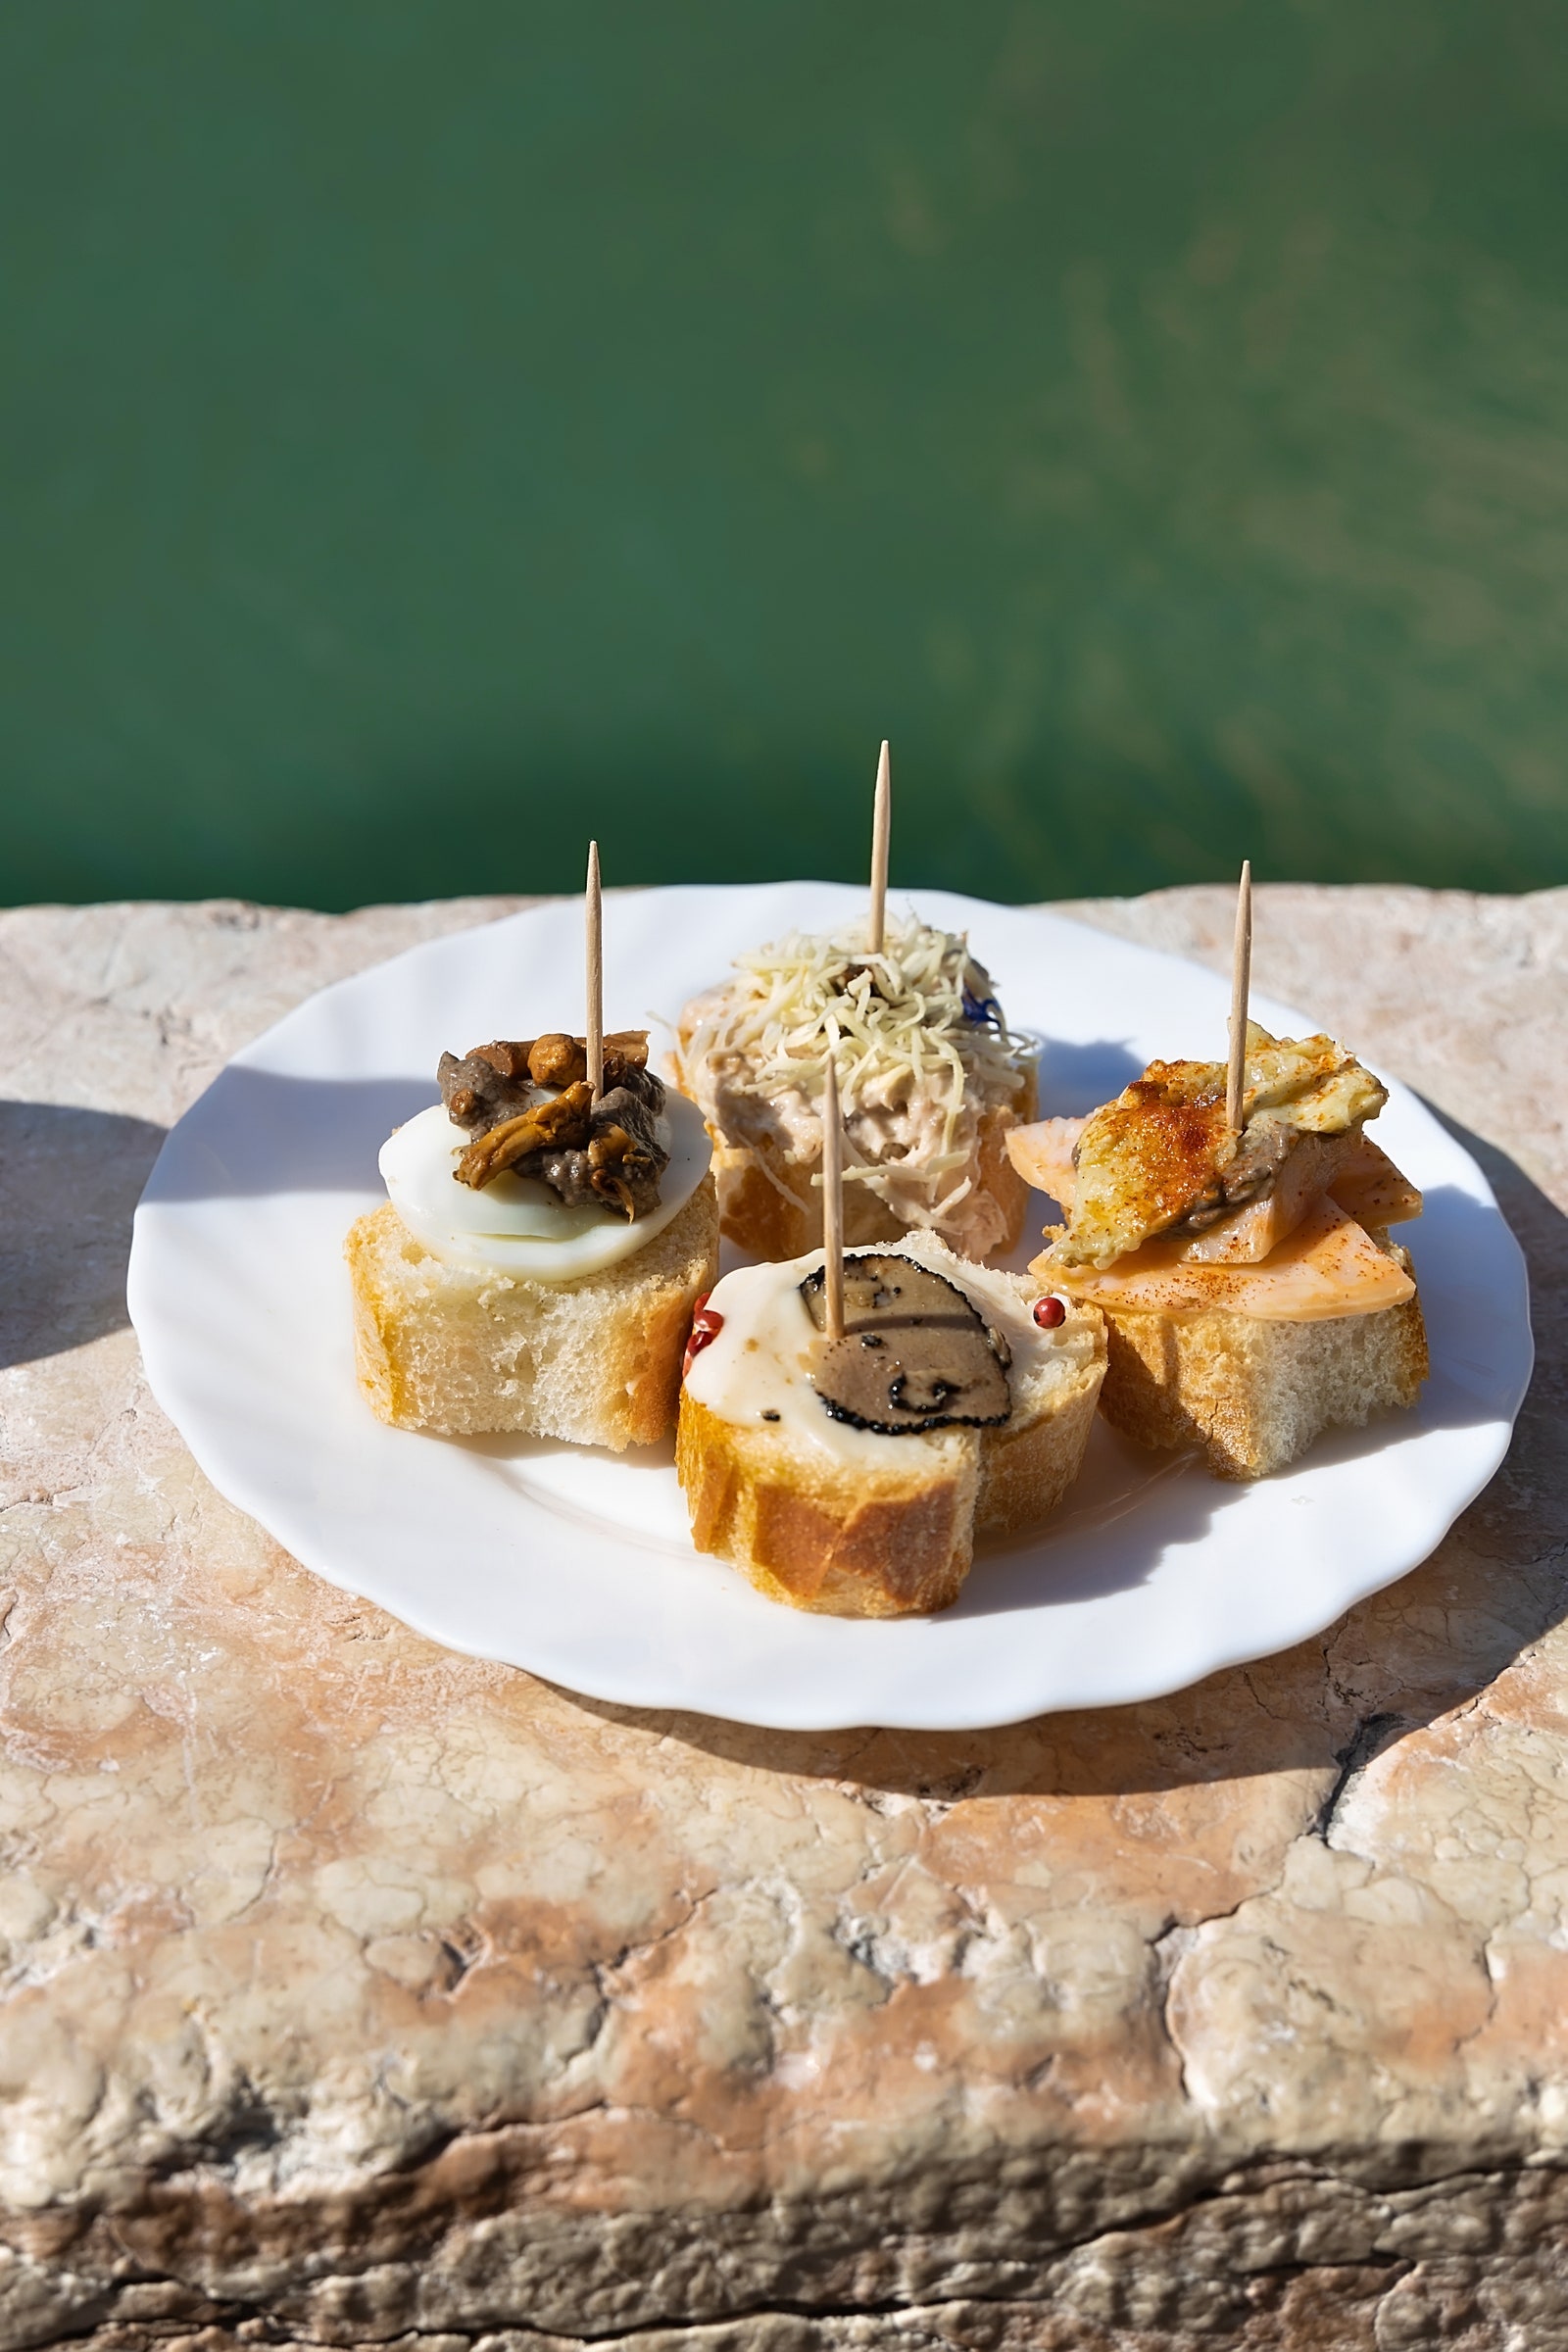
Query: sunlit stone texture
(357,1992)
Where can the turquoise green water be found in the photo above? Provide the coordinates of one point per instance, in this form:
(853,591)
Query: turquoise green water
(431,433)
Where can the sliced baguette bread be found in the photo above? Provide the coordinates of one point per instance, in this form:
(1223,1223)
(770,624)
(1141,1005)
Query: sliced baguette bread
(1254,1393)
(462,1349)
(887,1528)
(769,1206)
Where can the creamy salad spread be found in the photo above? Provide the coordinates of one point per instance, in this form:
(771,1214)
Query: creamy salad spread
(921,1051)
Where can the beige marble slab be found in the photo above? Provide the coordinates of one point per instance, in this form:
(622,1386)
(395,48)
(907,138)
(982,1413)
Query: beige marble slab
(357,1992)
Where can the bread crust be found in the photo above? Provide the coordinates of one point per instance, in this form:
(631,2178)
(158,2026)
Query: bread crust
(1027,1469)
(892,1540)
(466,1351)
(823,1538)
(1254,1394)
(767,1203)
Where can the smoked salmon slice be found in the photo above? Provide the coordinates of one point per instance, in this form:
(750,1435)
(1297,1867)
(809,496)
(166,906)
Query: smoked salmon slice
(1328,1267)
(1372,1189)
(1042,1154)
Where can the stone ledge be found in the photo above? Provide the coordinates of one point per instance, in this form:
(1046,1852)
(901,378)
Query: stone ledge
(357,1992)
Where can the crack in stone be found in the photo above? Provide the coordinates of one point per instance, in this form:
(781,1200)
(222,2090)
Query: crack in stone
(1372,1734)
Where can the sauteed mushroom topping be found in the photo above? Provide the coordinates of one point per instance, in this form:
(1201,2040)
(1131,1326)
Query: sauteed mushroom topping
(526,1103)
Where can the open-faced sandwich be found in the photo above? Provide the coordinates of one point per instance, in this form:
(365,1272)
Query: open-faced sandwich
(931,1080)
(537,1262)
(1245,1270)
(850,1474)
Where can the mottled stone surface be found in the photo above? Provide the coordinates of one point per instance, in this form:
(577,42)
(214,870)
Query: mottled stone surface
(356,1992)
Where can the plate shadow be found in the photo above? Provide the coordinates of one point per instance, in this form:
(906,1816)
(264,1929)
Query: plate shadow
(257,1132)
(1075,1078)
(69,1183)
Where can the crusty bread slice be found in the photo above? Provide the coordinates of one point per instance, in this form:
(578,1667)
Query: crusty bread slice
(462,1349)
(768,1205)
(1254,1394)
(843,1542)
(848,1539)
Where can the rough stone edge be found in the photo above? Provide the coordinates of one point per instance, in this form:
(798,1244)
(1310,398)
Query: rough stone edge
(1298,2259)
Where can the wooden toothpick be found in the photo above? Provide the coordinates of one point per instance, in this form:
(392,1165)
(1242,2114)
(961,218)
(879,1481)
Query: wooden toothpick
(1241,978)
(881,828)
(832,1204)
(593,917)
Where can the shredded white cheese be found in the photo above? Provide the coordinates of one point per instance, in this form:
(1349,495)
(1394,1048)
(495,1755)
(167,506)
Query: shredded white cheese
(919,1043)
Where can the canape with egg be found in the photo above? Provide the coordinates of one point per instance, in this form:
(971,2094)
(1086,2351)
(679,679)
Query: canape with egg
(538,1258)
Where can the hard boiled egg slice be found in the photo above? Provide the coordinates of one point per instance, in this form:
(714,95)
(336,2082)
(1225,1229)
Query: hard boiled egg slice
(515,1224)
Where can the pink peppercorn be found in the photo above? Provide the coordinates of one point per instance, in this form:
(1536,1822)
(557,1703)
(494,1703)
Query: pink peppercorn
(1049,1313)
(707,1324)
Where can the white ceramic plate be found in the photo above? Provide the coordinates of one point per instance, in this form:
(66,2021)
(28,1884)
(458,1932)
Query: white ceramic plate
(576,1563)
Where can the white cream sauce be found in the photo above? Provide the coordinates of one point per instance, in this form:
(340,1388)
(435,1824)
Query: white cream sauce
(518,1225)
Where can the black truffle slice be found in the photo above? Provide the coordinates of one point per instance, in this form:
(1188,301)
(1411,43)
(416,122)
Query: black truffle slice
(914,1356)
